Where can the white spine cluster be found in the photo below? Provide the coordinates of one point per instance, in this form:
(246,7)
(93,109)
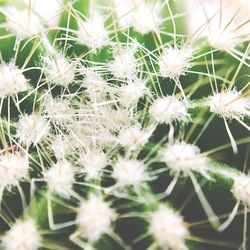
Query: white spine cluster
(125,63)
(174,62)
(141,15)
(129,172)
(116,119)
(133,137)
(95,85)
(32,128)
(168,228)
(169,109)
(181,157)
(229,105)
(12,80)
(50,16)
(14,167)
(125,11)
(92,163)
(92,32)
(94,218)
(60,178)
(131,93)
(241,189)
(23,23)
(224,39)
(225,22)
(145,18)
(23,235)
(58,110)
(59,70)
(61,147)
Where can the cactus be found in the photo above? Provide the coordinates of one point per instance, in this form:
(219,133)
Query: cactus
(124,124)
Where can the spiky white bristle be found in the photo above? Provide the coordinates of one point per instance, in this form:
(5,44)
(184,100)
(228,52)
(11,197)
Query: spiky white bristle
(116,119)
(226,22)
(94,218)
(229,104)
(125,63)
(143,16)
(132,137)
(124,12)
(32,128)
(92,163)
(92,32)
(23,23)
(241,189)
(146,18)
(181,157)
(129,172)
(23,235)
(58,110)
(130,93)
(224,39)
(169,109)
(12,80)
(61,147)
(14,167)
(174,62)
(60,178)
(168,229)
(95,85)
(59,70)
(30,19)
(50,16)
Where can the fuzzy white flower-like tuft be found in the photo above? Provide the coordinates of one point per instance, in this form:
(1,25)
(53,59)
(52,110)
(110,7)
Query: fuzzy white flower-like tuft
(125,63)
(130,93)
(60,178)
(32,128)
(181,157)
(62,147)
(146,18)
(94,218)
(58,110)
(116,119)
(224,22)
(12,80)
(95,85)
(92,163)
(92,32)
(224,39)
(23,235)
(241,189)
(129,172)
(13,168)
(50,16)
(59,70)
(125,11)
(168,229)
(133,137)
(174,62)
(229,105)
(141,15)
(23,23)
(169,109)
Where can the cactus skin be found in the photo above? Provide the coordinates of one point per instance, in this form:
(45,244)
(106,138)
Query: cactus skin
(124,124)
